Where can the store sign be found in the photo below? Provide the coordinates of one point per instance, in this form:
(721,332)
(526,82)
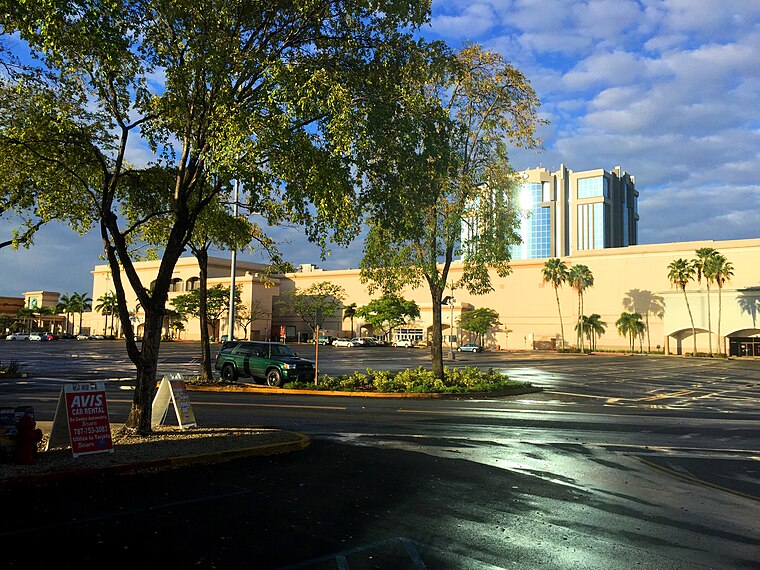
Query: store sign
(81,420)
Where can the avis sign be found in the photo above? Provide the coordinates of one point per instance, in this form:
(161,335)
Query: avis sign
(84,410)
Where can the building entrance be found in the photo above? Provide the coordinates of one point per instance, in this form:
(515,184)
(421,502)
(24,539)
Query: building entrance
(744,346)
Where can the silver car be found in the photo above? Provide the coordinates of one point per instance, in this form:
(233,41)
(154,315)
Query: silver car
(17,336)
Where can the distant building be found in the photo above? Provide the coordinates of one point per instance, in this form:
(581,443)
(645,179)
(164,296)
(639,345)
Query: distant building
(626,279)
(572,212)
(566,212)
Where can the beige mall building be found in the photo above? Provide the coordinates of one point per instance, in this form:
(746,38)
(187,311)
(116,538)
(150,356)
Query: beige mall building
(587,217)
(631,278)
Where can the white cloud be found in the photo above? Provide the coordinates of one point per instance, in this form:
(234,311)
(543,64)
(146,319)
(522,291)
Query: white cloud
(471,23)
(59,260)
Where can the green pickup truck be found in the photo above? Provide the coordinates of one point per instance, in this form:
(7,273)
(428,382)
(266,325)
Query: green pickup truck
(272,362)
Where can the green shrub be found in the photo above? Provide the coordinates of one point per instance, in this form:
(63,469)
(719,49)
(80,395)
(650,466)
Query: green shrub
(11,368)
(417,380)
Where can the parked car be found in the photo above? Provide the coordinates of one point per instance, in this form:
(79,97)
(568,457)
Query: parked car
(37,336)
(272,362)
(345,342)
(17,336)
(405,343)
(470,348)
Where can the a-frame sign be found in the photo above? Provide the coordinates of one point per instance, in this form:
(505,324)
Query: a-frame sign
(81,420)
(172,388)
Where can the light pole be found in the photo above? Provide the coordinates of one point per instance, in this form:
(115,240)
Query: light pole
(449,300)
(233,263)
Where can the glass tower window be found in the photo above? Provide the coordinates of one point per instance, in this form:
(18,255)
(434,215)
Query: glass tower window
(535,226)
(593,187)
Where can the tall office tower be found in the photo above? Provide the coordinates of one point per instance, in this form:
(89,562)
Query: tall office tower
(565,211)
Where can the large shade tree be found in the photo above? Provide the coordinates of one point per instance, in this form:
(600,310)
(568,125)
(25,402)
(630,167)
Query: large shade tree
(31,193)
(479,321)
(314,304)
(388,312)
(208,305)
(269,94)
(216,227)
(444,170)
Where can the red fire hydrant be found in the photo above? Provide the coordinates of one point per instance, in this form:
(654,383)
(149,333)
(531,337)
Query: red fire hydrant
(27,438)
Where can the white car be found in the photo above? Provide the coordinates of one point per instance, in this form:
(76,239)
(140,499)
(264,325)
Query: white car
(403,343)
(17,336)
(344,342)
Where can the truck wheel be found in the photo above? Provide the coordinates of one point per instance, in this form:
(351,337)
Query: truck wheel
(229,374)
(274,378)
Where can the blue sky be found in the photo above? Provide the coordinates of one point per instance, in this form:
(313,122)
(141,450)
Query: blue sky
(669,90)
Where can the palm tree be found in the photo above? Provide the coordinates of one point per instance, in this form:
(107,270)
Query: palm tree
(580,279)
(595,328)
(630,325)
(106,306)
(582,328)
(349,312)
(723,270)
(555,272)
(680,272)
(704,265)
(645,303)
(67,306)
(81,303)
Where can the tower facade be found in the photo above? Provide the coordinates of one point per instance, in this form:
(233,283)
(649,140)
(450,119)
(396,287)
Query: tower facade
(565,212)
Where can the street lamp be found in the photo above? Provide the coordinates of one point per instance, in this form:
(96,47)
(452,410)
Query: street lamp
(233,264)
(449,300)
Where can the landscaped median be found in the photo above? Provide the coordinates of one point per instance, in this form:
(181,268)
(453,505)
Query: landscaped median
(416,382)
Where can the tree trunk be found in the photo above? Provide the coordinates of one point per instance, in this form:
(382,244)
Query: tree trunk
(206,374)
(579,326)
(720,308)
(436,342)
(709,320)
(139,419)
(561,325)
(691,318)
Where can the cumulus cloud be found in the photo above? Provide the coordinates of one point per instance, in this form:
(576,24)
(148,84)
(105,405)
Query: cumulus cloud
(667,89)
(60,260)
(470,23)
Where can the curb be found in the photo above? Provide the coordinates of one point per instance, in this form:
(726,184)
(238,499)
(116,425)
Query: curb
(302,442)
(413,395)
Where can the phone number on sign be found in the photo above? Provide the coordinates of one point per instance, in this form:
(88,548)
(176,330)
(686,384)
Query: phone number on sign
(97,430)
